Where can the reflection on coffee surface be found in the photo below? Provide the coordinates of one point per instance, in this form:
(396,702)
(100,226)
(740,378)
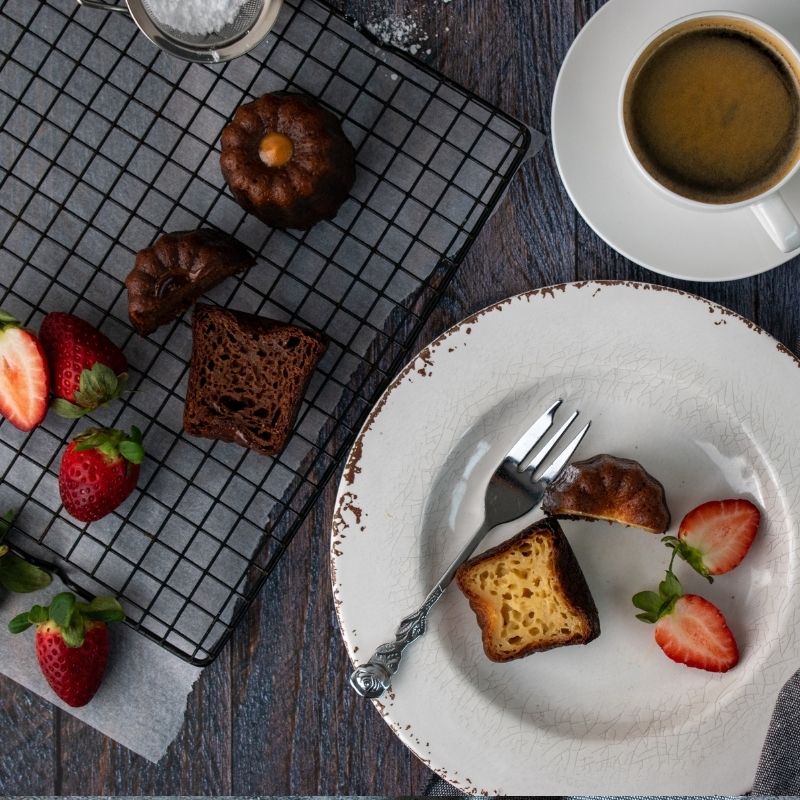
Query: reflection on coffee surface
(712,111)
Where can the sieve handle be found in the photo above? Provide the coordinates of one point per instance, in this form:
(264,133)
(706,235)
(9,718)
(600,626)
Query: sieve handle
(104,6)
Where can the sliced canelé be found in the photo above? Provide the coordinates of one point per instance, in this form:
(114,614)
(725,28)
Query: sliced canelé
(180,267)
(247,377)
(529,594)
(609,488)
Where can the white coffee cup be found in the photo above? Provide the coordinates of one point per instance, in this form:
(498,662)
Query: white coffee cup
(769,206)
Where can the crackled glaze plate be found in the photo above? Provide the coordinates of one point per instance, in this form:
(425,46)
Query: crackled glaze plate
(707,403)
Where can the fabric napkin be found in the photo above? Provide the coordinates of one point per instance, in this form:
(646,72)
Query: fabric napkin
(142,700)
(778,772)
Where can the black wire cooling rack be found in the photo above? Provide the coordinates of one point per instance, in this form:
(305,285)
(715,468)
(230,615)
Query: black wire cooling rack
(105,143)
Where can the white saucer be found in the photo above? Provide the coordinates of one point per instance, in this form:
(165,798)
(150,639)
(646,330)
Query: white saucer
(602,182)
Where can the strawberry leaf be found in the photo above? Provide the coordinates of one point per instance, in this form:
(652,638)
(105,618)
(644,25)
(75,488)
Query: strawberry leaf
(20,623)
(35,616)
(6,521)
(17,575)
(39,614)
(99,386)
(670,588)
(3,550)
(647,601)
(62,609)
(73,635)
(102,609)
(650,603)
(132,451)
(68,410)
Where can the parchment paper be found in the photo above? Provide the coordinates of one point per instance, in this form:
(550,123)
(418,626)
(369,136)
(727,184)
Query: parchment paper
(142,700)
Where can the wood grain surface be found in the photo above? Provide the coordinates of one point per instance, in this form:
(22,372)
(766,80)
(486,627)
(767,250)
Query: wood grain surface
(273,715)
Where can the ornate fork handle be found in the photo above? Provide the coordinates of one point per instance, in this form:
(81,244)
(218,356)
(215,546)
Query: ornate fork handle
(374,678)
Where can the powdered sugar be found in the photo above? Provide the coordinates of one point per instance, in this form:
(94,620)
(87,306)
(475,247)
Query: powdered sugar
(405,32)
(197,17)
(398,31)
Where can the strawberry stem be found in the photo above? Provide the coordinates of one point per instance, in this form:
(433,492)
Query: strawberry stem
(655,605)
(113,443)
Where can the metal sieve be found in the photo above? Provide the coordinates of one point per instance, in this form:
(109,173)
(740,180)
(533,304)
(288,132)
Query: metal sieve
(251,24)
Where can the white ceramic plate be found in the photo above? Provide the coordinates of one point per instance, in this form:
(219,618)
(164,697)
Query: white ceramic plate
(603,183)
(708,403)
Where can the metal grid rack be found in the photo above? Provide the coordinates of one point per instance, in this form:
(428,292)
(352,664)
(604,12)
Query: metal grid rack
(105,143)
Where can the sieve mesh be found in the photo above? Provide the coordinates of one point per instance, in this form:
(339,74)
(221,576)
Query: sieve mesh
(242,24)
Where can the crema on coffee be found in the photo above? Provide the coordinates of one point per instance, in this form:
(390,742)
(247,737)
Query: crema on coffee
(712,110)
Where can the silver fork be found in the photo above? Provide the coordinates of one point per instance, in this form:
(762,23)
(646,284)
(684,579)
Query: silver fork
(512,492)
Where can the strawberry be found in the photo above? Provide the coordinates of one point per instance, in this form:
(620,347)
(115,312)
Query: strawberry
(72,643)
(688,628)
(714,537)
(88,370)
(99,469)
(24,381)
(695,633)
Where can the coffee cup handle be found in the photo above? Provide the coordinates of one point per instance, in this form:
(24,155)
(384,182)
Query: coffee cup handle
(779,222)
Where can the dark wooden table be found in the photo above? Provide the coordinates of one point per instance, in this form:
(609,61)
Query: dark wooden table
(273,715)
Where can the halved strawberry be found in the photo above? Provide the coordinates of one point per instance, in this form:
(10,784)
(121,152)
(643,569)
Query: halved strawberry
(695,633)
(714,537)
(24,381)
(689,629)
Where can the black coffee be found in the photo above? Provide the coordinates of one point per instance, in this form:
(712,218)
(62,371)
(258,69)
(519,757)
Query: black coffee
(713,111)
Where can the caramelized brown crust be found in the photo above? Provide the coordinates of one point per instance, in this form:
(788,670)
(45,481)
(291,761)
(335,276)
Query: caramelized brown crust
(573,591)
(314,182)
(180,267)
(609,488)
(247,377)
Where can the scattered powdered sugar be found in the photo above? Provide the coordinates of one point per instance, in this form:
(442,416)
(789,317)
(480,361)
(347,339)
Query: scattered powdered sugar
(404,32)
(398,31)
(195,16)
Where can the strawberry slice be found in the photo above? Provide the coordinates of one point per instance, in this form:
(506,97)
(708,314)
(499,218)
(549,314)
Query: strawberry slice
(714,537)
(688,628)
(24,381)
(695,633)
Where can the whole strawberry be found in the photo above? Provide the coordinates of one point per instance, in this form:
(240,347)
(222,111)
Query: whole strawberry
(87,369)
(72,643)
(24,382)
(99,469)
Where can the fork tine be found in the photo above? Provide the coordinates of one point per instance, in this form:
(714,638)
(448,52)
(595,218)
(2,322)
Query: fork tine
(533,434)
(531,461)
(566,454)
